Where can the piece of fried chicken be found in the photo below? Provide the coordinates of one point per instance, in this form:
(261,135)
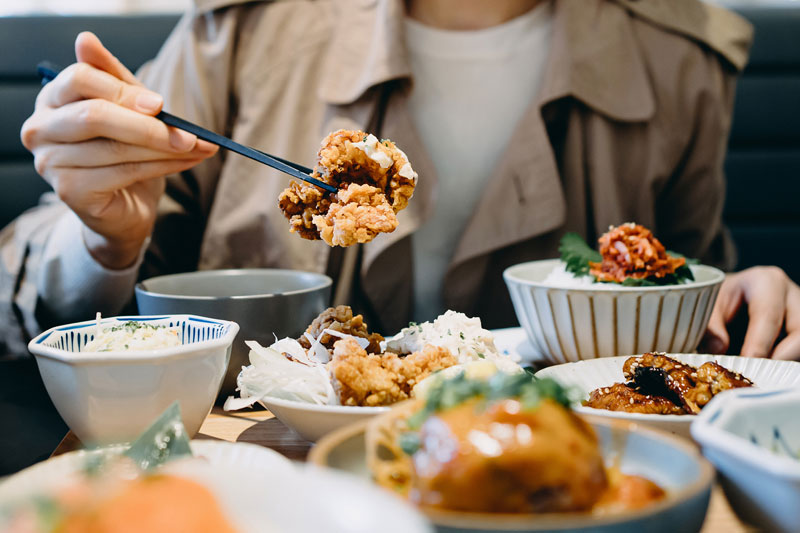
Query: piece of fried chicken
(340,318)
(360,214)
(370,379)
(354,214)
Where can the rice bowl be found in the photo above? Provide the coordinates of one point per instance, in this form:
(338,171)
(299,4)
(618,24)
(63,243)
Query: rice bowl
(570,320)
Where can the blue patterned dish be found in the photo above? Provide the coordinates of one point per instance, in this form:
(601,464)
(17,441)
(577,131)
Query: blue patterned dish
(753,438)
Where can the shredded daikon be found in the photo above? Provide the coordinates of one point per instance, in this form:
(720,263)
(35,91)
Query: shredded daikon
(272,374)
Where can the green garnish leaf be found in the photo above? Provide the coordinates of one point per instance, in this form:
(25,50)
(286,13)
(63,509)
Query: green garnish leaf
(163,441)
(576,254)
(410,442)
(448,393)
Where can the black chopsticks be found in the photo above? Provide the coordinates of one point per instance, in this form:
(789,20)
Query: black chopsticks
(48,71)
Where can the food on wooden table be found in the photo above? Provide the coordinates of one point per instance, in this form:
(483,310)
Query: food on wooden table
(154,502)
(374,181)
(134,335)
(125,492)
(629,255)
(509,444)
(338,361)
(658,384)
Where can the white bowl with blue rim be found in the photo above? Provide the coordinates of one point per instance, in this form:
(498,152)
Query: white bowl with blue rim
(753,438)
(112,396)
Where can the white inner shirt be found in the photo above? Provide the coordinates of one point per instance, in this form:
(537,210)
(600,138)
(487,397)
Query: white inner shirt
(470,90)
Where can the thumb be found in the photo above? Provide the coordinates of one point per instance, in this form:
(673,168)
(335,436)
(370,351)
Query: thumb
(89,49)
(716,338)
(729,300)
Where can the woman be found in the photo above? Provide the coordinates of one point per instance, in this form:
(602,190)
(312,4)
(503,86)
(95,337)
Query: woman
(524,119)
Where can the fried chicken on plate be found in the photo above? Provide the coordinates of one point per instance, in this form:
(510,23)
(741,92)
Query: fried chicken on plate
(372,379)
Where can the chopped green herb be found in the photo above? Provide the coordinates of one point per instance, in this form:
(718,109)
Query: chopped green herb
(448,393)
(461,334)
(132,325)
(409,442)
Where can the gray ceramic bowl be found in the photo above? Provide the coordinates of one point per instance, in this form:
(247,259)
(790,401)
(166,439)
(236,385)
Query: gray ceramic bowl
(264,302)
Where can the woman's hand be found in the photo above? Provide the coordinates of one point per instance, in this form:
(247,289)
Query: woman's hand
(95,140)
(773,303)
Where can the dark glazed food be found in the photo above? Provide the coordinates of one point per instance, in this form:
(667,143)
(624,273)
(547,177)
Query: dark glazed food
(658,384)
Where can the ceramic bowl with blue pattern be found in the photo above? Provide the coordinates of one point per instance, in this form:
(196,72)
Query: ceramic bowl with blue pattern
(753,438)
(112,396)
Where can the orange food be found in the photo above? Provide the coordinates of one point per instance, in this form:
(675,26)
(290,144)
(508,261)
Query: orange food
(507,459)
(627,492)
(158,503)
(631,251)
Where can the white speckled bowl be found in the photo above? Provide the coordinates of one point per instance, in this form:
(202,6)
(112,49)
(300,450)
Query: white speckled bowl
(570,324)
(112,397)
(753,438)
(313,421)
(586,376)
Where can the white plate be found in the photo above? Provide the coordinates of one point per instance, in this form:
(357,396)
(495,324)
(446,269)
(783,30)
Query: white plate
(259,490)
(62,469)
(514,341)
(589,375)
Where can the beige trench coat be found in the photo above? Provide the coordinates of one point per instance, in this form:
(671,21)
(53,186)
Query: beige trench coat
(631,124)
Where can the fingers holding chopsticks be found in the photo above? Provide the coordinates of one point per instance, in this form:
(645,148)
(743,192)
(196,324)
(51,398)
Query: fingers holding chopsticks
(94,134)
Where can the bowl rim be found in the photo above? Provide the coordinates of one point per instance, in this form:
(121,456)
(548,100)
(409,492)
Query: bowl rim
(708,433)
(325,281)
(642,417)
(558,521)
(126,357)
(320,408)
(510,275)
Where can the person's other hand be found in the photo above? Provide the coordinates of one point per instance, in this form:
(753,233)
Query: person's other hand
(95,140)
(773,303)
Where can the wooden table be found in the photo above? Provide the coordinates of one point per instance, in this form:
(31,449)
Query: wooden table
(262,428)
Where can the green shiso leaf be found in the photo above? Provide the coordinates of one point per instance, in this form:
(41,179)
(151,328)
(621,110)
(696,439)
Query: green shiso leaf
(577,254)
(163,441)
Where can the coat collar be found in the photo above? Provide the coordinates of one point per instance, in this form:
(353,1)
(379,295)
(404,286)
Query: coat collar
(592,42)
